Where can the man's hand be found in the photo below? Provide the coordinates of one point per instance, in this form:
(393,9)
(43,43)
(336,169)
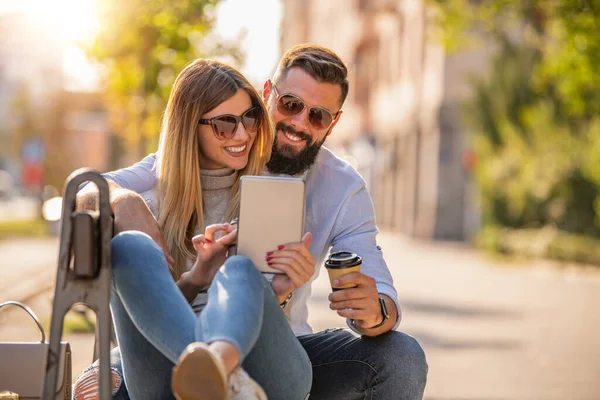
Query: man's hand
(362,303)
(296,263)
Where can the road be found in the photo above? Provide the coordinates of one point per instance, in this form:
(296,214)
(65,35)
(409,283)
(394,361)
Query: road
(490,329)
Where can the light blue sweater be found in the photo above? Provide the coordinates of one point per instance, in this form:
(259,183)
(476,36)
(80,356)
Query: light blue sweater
(339,213)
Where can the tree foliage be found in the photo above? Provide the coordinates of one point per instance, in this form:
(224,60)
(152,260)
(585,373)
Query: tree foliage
(536,118)
(143,45)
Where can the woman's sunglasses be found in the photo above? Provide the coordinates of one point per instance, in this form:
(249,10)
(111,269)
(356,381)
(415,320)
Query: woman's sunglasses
(224,126)
(290,105)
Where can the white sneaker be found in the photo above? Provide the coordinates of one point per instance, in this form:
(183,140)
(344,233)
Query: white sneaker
(243,387)
(199,375)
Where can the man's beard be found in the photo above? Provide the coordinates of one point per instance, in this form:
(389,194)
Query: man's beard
(285,161)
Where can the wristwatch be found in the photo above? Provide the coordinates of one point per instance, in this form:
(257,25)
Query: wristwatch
(384,312)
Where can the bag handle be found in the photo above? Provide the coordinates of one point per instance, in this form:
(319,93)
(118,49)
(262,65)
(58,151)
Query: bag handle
(31,314)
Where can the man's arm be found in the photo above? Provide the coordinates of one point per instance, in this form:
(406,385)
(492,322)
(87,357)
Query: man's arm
(140,177)
(130,210)
(87,197)
(355,230)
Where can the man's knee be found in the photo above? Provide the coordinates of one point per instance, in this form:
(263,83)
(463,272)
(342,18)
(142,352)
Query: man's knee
(404,359)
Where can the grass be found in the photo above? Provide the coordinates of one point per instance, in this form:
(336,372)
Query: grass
(35,228)
(75,322)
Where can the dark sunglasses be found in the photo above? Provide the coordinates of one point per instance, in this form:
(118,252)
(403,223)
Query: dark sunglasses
(224,126)
(289,105)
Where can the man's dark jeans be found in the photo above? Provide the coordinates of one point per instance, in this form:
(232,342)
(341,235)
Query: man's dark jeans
(347,366)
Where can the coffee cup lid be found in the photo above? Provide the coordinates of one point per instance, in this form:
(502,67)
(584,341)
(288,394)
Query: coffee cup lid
(343,259)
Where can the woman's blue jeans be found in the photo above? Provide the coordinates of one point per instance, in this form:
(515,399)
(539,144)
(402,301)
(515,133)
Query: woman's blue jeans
(155,323)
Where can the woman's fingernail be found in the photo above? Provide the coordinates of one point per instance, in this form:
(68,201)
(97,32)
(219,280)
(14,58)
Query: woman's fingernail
(269,262)
(208,240)
(269,253)
(269,258)
(280,247)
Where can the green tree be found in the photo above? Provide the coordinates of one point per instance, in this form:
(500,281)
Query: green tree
(565,32)
(143,45)
(536,118)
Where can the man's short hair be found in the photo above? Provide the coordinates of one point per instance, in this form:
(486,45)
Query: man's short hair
(317,61)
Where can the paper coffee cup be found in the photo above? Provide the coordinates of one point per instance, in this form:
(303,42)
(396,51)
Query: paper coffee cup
(342,263)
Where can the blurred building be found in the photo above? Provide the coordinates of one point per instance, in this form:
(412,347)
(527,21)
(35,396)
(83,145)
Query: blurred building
(36,111)
(87,131)
(403,104)
(30,60)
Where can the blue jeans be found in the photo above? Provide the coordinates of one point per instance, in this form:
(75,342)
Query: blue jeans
(344,366)
(154,322)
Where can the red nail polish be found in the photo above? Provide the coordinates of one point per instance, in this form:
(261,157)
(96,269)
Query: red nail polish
(280,247)
(269,262)
(208,240)
(269,253)
(269,258)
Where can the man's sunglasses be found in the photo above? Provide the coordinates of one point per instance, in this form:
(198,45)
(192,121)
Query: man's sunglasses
(289,105)
(224,126)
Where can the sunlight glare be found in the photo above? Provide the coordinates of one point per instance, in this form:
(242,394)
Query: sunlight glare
(71,20)
(260,19)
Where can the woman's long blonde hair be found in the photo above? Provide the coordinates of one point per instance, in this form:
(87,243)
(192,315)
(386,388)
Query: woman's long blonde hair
(199,88)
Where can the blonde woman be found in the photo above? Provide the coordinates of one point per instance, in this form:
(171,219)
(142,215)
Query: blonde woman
(215,130)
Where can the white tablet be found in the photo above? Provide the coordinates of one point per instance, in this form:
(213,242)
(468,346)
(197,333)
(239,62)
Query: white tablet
(271,213)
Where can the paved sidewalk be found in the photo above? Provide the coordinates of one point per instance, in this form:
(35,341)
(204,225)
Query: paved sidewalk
(491,330)
(27,267)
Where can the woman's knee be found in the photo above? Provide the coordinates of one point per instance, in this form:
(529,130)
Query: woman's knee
(240,267)
(129,247)
(130,241)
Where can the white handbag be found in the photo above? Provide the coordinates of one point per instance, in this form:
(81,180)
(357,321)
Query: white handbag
(23,364)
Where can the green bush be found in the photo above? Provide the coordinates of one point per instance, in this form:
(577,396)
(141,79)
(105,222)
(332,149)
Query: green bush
(26,228)
(546,242)
(536,123)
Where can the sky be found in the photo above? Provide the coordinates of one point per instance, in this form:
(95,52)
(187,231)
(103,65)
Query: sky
(75,20)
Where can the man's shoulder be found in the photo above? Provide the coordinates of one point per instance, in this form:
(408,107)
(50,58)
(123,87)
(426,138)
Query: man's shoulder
(329,169)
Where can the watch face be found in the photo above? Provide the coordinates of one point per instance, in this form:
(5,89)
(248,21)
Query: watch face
(384,310)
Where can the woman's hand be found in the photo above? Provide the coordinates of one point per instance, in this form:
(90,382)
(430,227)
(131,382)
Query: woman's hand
(212,252)
(296,263)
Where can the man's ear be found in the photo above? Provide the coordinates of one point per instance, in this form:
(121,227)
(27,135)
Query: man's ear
(335,121)
(266,90)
